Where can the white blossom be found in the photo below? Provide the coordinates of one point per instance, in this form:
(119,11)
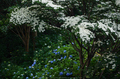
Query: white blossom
(98,43)
(104,23)
(113,15)
(48,3)
(79,22)
(34,1)
(97,0)
(85,34)
(41,26)
(20,16)
(110,60)
(113,66)
(23,1)
(71,21)
(117,2)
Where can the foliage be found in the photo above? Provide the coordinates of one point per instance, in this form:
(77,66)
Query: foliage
(4,13)
(14,53)
(62,62)
(8,46)
(89,29)
(87,25)
(49,38)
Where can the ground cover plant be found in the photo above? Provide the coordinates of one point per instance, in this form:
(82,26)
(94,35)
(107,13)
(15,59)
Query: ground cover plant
(80,39)
(62,62)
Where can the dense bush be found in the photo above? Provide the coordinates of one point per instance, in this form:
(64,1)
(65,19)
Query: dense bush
(53,58)
(14,51)
(62,62)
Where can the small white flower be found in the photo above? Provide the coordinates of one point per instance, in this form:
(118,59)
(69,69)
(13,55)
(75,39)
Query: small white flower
(8,64)
(18,76)
(113,66)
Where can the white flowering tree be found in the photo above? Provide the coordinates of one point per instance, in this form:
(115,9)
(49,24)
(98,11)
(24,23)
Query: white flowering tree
(23,20)
(93,31)
(33,17)
(90,29)
(86,24)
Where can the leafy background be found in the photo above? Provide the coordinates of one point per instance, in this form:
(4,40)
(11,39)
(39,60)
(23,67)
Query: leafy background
(54,57)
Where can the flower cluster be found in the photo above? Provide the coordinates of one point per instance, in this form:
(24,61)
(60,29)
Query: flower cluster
(71,21)
(20,16)
(55,64)
(113,15)
(48,3)
(33,64)
(79,22)
(110,60)
(85,34)
(117,2)
(41,28)
(68,74)
(23,1)
(98,42)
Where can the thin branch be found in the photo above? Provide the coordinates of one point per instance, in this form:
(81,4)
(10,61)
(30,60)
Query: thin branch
(92,48)
(76,48)
(19,35)
(84,7)
(101,74)
(116,45)
(81,54)
(21,31)
(13,31)
(84,64)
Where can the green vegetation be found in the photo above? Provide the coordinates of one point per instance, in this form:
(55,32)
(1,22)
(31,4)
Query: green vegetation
(74,43)
(52,58)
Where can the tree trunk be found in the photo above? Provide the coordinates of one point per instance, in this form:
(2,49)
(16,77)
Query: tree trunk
(81,63)
(34,34)
(24,33)
(81,73)
(27,37)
